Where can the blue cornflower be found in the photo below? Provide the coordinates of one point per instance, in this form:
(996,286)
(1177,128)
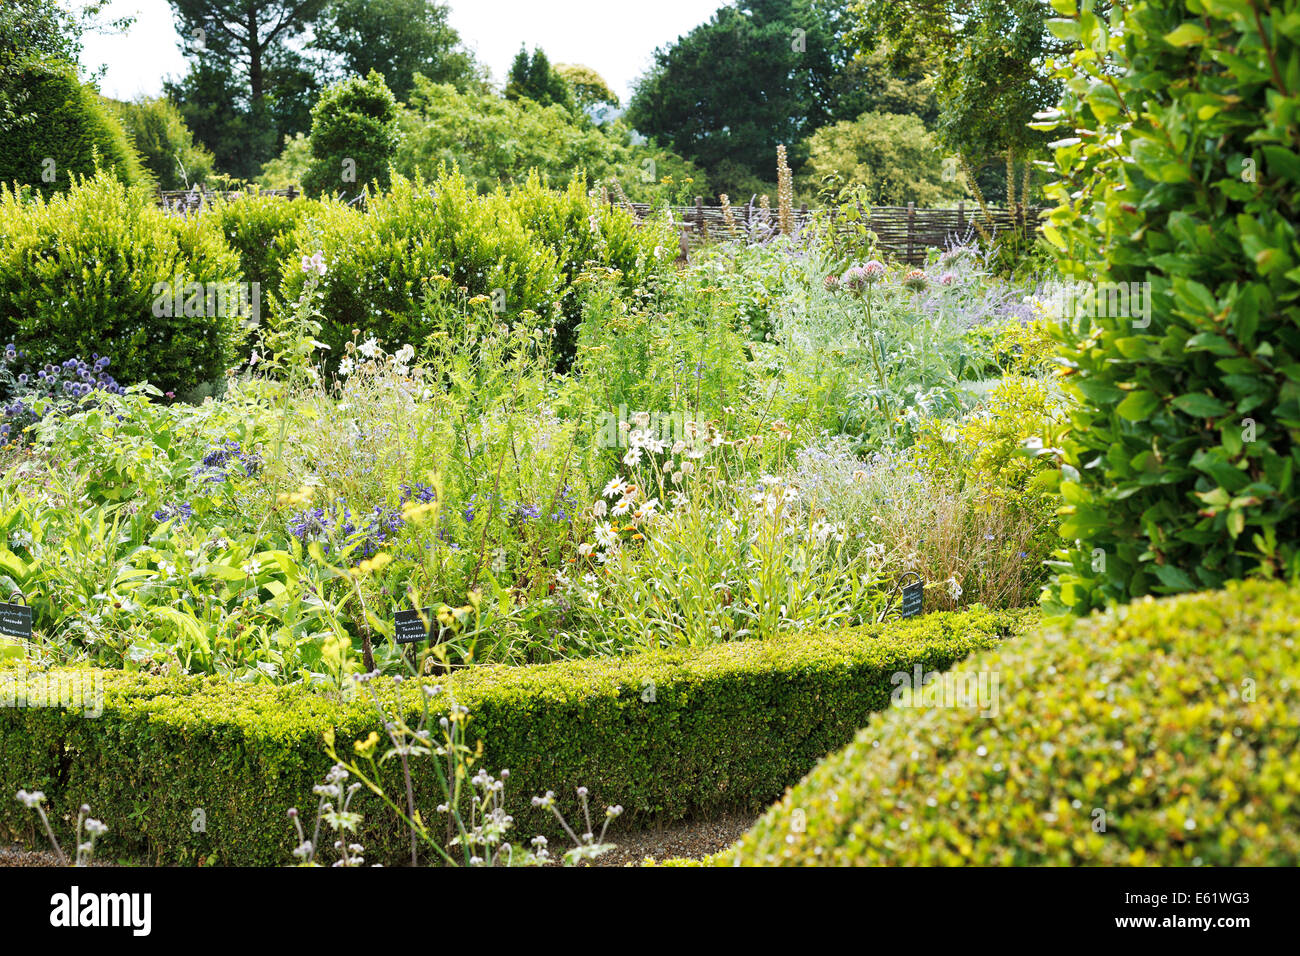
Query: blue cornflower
(180,512)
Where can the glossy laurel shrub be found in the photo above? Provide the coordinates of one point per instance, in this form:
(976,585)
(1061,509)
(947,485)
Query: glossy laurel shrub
(1181,170)
(80,274)
(1164,733)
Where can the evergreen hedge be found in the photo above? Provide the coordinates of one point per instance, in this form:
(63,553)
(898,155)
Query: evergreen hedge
(667,735)
(1164,733)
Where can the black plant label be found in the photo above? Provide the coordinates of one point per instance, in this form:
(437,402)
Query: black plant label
(913,597)
(410,627)
(16,621)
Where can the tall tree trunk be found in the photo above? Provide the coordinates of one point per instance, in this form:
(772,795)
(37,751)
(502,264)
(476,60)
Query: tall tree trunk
(255,77)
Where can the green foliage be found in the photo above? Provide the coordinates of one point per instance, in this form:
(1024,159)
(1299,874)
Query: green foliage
(1015,348)
(495,141)
(288,169)
(382,262)
(585,235)
(667,735)
(164,142)
(991,60)
(983,452)
(211,103)
(353,137)
(894,158)
(589,87)
(76,131)
(758,74)
(1179,470)
(259,229)
(1160,735)
(397,39)
(37,36)
(80,273)
(247,87)
(533,78)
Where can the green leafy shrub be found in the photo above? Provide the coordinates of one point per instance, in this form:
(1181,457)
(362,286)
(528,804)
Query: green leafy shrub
(666,735)
(166,145)
(382,262)
(893,157)
(495,141)
(259,229)
(353,137)
(75,130)
(1161,734)
(1180,468)
(1014,348)
(585,234)
(289,167)
(80,274)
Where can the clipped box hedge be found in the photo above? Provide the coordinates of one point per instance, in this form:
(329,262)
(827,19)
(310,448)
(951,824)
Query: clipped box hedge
(729,727)
(1144,715)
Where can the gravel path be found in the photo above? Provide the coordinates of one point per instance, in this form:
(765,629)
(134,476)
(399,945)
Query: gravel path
(17,856)
(692,840)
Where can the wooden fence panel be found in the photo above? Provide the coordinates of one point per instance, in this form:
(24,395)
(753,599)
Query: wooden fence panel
(904,232)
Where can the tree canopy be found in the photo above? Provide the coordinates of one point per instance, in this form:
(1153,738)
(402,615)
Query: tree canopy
(759,74)
(397,39)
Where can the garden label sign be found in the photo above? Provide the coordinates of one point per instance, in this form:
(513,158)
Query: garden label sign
(912,598)
(16,619)
(411,629)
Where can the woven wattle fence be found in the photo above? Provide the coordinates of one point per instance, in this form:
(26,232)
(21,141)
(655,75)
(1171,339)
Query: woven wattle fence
(191,200)
(904,232)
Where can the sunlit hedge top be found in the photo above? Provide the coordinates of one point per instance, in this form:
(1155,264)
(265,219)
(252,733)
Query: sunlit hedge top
(1164,733)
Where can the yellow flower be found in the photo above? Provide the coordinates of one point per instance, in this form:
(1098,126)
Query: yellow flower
(415,512)
(365,747)
(371,565)
(295,499)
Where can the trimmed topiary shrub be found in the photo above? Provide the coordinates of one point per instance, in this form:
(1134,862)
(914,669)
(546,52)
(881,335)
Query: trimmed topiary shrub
(667,735)
(353,137)
(74,131)
(1164,733)
(86,271)
(1180,200)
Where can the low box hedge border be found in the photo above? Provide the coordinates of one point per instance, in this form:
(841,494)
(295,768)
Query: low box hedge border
(1162,733)
(729,728)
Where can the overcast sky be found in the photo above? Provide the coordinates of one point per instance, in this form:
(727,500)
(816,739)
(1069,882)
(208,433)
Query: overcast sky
(613,37)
